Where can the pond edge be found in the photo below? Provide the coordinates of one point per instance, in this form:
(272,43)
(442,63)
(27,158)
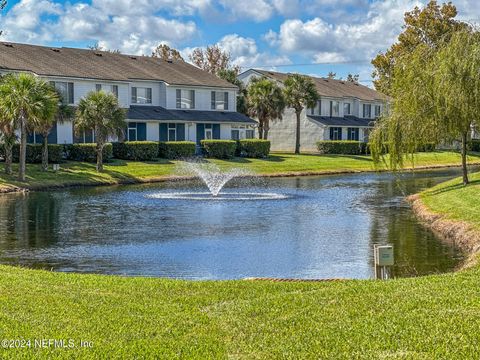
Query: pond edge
(459,233)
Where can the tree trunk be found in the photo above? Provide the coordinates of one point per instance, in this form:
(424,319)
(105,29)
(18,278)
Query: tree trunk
(297,134)
(23,148)
(8,158)
(100,145)
(266,128)
(464,158)
(45,153)
(260,129)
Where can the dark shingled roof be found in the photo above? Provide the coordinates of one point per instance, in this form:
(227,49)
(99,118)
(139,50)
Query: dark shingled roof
(159,113)
(92,64)
(351,121)
(333,88)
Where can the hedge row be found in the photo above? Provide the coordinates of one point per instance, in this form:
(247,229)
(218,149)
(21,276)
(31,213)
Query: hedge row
(87,152)
(34,153)
(219,149)
(342,147)
(135,150)
(253,148)
(176,149)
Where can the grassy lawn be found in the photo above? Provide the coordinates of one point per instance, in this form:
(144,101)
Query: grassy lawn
(435,317)
(456,201)
(128,171)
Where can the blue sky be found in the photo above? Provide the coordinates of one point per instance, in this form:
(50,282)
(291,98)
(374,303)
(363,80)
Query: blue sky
(306,36)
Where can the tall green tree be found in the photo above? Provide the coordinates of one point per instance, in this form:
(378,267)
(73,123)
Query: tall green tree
(300,93)
(28,100)
(431,26)
(266,102)
(99,111)
(436,97)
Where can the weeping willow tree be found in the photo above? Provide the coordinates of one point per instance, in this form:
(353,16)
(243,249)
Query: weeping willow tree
(436,100)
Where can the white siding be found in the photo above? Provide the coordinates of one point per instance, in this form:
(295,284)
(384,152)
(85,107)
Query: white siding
(225,131)
(65,132)
(191,132)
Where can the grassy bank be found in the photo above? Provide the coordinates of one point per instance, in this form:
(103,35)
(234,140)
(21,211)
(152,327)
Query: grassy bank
(421,318)
(77,173)
(455,201)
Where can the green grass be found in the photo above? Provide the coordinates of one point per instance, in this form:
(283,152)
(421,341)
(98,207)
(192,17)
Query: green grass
(435,317)
(455,201)
(77,173)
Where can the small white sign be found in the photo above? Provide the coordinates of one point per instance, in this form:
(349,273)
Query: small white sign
(384,255)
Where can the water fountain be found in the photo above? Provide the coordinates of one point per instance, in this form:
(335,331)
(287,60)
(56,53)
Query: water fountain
(215,179)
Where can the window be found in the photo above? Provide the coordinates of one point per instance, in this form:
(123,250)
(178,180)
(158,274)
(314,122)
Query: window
(172,132)
(219,100)
(132,132)
(334,108)
(335,133)
(353,134)
(113,89)
(208,134)
(378,110)
(346,108)
(319,105)
(367,111)
(65,89)
(141,95)
(85,137)
(235,134)
(249,134)
(136,131)
(185,99)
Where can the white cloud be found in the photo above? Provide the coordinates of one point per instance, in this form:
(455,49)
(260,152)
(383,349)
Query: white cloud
(137,34)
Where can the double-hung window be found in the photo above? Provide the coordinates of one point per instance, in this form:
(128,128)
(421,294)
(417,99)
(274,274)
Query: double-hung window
(185,99)
(378,110)
(334,108)
(65,90)
(347,107)
(367,111)
(353,134)
(335,133)
(319,106)
(219,100)
(141,95)
(112,89)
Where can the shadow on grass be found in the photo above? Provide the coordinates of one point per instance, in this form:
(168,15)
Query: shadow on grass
(453,187)
(343,156)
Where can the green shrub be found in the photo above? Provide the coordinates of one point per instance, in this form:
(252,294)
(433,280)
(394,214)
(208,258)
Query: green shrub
(87,152)
(176,149)
(343,147)
(220,149)
(34,153)
(135,150)
(474,145)
(253,148)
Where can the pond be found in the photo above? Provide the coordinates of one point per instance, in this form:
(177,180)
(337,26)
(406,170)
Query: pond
(304,227)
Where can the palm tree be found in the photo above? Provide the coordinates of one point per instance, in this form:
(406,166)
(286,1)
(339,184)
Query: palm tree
(300,93)
(26,100)
(45,124)
(100,112)
(8,136)
(266,102)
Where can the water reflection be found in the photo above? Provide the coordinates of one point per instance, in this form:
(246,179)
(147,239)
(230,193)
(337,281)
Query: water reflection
(324,227)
